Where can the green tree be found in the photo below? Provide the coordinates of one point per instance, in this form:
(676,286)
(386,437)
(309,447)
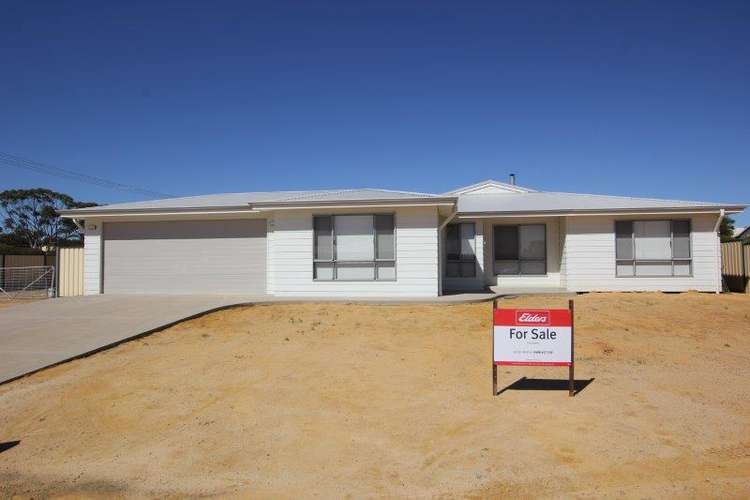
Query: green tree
(30,217)
(726,229)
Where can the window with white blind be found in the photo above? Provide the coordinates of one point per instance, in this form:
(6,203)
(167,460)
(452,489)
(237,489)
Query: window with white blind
(460,250)
(653,248)
(354,247)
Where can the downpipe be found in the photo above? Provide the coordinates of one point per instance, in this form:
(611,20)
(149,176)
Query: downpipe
(718,250)
(441,249)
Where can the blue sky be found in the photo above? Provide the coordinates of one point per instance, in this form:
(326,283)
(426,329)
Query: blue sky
(629,98)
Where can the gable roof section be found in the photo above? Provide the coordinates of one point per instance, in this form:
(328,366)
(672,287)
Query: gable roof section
(489,186)
(257,200)
(548,202)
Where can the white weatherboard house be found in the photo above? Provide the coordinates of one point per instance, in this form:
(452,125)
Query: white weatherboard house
(381,243)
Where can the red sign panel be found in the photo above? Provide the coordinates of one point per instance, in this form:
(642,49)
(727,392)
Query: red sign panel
(532,317)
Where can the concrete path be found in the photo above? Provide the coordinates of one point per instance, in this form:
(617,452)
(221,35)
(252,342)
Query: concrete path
(47,332)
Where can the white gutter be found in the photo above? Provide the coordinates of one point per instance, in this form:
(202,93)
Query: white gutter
(718,250)
(499,215)
(98,215)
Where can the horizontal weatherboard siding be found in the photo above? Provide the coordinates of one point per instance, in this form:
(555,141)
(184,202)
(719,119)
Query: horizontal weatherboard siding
(92,258)
(589,257)
(291,248)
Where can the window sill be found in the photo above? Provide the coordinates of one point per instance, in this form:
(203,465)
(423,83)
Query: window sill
(315,280)
(660,276)
(522,275)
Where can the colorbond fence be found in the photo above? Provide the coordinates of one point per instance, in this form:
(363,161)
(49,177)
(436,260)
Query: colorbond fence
(69,272)
(735,266)
(26,260)
(68,266)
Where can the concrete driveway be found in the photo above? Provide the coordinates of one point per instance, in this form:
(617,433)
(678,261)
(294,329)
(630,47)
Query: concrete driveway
(47,332)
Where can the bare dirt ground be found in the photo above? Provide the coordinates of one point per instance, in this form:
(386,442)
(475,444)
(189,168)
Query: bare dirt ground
(336,400)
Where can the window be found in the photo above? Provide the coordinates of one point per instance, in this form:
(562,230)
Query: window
(653,248)
(520,250)
(354,247)
(460,255)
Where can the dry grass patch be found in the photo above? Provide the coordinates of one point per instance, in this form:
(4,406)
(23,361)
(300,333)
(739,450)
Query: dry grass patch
(339,400)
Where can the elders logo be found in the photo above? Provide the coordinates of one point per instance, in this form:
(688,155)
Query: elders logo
(532,317)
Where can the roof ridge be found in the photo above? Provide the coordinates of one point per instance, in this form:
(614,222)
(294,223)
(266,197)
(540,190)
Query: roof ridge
(315,194)
(308,194)
(421,193)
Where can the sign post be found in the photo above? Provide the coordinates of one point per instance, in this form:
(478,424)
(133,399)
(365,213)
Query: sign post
(533,337)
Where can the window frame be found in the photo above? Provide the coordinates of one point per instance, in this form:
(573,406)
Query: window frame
(461,260)
(334,260)
(634,261)
(519,260)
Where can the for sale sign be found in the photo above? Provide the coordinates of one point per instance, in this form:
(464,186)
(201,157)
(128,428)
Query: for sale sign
(533,337)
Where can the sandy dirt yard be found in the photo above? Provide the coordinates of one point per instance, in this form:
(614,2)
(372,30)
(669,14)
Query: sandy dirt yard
(337,400)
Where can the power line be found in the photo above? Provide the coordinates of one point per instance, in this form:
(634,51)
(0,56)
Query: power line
(9,160)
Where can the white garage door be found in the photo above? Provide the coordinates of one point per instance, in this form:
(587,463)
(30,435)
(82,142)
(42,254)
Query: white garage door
(218,256)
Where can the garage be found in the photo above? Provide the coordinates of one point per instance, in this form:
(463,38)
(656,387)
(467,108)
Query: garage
(181,257)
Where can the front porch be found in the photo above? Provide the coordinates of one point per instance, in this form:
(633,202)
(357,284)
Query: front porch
(508,255)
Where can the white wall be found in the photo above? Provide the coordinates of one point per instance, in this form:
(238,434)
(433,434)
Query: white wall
(590,257)
(290,252)
(92,257)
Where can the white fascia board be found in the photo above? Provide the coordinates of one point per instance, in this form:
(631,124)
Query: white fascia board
(151,213)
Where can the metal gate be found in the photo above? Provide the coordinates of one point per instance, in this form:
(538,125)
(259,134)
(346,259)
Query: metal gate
(30,282)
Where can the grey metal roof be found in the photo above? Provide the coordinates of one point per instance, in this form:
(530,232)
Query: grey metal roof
(348,195)
(494,203)
(253,199)
(542,202)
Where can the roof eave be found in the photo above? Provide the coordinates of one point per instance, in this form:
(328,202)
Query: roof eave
(83,213)
(256,207)
(610,211)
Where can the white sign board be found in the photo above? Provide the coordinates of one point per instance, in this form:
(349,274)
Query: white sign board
(532,337)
